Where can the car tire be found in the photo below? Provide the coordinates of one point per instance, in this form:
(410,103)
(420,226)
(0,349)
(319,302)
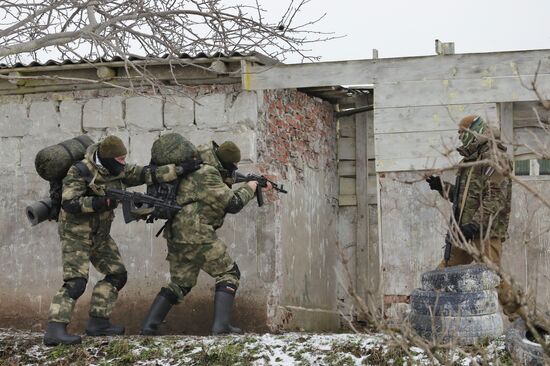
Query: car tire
(465,278)
(523,351)
(454,303)
(463,330)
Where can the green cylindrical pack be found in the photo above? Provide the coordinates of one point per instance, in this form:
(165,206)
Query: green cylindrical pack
(53,162)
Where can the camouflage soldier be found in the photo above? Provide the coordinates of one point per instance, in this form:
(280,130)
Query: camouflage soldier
(191,237)
(484,199)
(84,226)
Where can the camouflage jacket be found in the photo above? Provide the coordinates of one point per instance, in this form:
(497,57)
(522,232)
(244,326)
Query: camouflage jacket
(205,198)
(488,199)
(77,190)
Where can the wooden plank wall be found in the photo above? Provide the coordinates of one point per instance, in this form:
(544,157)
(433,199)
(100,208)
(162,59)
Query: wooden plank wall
(416,112)
(418,103)
(531,130)
(358,201)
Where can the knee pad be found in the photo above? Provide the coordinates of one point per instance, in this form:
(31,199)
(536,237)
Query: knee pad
(118,280)
(227,287)
(75,287)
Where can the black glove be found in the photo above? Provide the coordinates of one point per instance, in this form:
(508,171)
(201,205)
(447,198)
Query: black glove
(435,183)
(103,203)
(188,166)
(470,231)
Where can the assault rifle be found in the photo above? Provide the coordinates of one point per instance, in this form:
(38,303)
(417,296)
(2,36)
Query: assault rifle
(262,183)
(455,217)
(136,205)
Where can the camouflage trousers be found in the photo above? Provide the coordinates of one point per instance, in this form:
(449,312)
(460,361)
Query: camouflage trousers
(77,253)
(186,260)
(492,249)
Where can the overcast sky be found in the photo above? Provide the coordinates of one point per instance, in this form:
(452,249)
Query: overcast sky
(409,28)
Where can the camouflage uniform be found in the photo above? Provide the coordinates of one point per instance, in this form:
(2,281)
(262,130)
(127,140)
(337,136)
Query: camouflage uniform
(191,235)
(85,236)
(487,206)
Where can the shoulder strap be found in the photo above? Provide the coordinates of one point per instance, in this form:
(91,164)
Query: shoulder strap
(84,171)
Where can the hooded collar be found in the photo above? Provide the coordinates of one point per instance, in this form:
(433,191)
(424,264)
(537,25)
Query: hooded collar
(208,156)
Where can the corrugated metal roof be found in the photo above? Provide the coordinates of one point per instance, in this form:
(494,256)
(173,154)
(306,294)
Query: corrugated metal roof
(183,56)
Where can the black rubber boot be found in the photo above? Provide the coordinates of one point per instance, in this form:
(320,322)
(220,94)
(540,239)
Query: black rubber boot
(102,327)
(158,311)
(223,304)
(56,333)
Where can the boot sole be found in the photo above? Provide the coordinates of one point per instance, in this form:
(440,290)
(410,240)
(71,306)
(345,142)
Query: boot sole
(49,342)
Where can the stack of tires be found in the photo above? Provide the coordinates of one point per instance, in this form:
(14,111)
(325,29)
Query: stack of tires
(457,304)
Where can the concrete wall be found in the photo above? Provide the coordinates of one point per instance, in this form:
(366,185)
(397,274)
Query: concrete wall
(299,147)
(262,241)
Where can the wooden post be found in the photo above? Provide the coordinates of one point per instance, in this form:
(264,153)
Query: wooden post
(361,172)
(506,116)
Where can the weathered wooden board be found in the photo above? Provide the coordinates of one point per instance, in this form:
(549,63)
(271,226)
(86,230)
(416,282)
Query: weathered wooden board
(370,135)
(460,91)
(415,144)
(347,168)
(526,254)
(308,75)
(527,114)
(348,186)
(346,148)
(429,118)
(464,66)
(347,200)
(531,140)
(346,127)
(424,163)
(351,200)
(506,116)
(360,72)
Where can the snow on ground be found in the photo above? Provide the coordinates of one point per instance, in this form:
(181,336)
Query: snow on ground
(25,348)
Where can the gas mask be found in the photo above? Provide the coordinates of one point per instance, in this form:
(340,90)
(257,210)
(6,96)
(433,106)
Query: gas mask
(470,137)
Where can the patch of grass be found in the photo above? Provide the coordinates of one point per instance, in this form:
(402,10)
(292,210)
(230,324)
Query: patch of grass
(337,359)
(233,353)
(60,351)
(121,351)
(505,359)
(397,354)
(349,347)
(375,356)
(68,355)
